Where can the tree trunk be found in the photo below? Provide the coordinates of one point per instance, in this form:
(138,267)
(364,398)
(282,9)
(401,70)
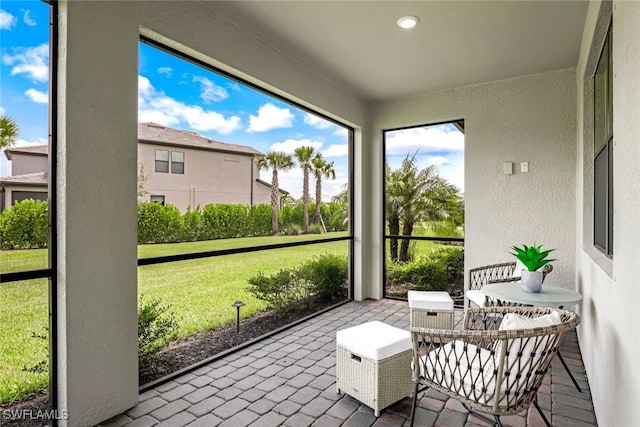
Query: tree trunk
(305,201)
(407,229)
(316,216)
(394,230)
(275,229)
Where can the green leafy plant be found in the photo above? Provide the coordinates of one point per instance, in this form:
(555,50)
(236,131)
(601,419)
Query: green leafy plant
(533,257)
(156,326)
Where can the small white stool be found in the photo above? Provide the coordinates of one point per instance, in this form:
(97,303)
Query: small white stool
(431,309)
(373,364)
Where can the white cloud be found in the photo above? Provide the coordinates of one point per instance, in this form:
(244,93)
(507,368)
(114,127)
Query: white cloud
(33,62)
(336,150)
(424,140)
(25,143)
(27,19)
(7,20)
(167,71)
(270,117)
(341,132)
(317,122)
(37,96)
(437,160)
(210,91)
(290,145)
(156,106)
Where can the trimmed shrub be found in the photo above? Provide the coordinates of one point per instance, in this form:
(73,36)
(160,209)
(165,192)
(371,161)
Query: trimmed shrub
(156,327)
(280,290)
(193,225)
(25,225)
(159,224)
(329,274)
(323,278)
(437,271)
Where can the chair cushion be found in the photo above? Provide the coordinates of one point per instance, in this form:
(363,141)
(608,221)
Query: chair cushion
(374,340)
(524,353)
(476,296)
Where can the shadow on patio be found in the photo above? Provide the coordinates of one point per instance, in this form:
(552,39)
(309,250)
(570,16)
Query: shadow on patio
(289,379)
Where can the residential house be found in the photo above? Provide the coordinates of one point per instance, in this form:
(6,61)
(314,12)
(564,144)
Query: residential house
(185,169)
(179,167)
(29,175)
(520,74)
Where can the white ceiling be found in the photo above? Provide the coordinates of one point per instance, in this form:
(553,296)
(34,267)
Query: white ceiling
(357,45)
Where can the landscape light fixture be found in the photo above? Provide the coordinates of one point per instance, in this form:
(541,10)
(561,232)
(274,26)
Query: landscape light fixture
(408,22)
(237,305)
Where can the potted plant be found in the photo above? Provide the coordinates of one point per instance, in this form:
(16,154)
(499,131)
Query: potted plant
(534,258)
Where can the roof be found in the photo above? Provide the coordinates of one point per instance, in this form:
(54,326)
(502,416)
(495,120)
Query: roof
(157,134)
(38,150)
(30,179)
(260,181)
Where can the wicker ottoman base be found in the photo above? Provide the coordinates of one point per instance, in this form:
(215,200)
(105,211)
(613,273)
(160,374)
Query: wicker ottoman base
(435,319)
(431,309)
(376,383)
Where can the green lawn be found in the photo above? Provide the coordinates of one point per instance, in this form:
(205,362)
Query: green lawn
(199,292)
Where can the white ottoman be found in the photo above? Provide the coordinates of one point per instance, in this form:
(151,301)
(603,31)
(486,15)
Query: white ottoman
(430,309)
(373,364)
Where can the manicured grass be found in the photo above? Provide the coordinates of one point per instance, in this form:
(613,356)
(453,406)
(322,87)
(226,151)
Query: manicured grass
(199,292)
(24,312)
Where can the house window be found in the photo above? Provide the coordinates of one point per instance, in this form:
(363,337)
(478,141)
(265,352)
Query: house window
(177,162)
(603,151)
(162,161)
(157,199)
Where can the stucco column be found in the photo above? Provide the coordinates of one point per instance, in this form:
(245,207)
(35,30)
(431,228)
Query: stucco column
(96,221)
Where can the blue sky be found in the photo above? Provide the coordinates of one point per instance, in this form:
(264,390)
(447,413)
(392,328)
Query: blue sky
(178,94)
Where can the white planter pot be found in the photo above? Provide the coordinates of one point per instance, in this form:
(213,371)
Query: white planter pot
(531,281)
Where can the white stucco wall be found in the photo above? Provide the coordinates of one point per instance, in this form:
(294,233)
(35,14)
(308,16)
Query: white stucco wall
(525,119)
(97,153)
(609,334)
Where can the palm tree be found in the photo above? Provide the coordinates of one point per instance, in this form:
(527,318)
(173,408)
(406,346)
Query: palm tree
(321,169)
(415,195)
(305,156)
(392,207)
(276,161)
(8,132)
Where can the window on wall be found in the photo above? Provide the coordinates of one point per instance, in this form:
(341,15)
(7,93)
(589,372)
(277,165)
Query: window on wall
(177,162)
(603,151)
(162,161)
(157,199)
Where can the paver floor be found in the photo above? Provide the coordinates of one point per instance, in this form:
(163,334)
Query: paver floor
(289,380)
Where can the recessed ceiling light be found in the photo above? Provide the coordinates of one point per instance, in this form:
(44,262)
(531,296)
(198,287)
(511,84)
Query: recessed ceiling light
(408,22)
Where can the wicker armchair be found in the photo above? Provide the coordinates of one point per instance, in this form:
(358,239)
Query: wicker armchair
(493,365)
(493,273)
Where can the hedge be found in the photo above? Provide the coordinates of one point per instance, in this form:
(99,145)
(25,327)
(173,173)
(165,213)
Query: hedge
(25,225)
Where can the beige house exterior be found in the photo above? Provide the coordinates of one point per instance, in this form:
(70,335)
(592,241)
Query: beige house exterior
(180,168)
(185,169)
(29,175)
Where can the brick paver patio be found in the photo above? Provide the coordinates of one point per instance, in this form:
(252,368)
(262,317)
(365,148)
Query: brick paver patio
(289,380)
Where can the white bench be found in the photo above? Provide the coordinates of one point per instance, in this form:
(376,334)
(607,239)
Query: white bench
(373,364)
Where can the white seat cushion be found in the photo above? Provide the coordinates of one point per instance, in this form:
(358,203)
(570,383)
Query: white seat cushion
(374,340)
(430,300)
(476,296)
